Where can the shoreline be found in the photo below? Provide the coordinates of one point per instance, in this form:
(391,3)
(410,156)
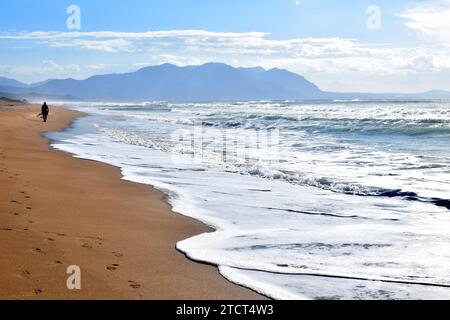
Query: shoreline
(47,224)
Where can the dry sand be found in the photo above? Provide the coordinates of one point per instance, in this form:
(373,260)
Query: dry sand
(57,211)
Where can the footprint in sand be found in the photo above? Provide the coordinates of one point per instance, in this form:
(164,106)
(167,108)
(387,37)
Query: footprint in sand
(86,245)
(89,242)
(6,229)
(39,250)
(97,240)
(56,234)
(37,291)
(25,195)
(134,284)
(113,267)
(117,254)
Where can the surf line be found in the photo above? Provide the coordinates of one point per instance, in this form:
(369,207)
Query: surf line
(418,283)
(315,213)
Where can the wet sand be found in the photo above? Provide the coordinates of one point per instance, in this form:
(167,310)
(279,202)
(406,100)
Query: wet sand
(57,211)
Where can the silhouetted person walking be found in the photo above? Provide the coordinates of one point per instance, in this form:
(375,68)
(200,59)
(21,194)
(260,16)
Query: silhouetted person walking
(45,111)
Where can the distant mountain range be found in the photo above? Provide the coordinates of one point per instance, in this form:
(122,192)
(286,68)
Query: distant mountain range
(6,82)
(208,82)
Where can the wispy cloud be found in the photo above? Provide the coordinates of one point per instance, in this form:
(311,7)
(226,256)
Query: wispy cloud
(324,60)
(170,58)
(110,41)
(41,71)
(315,54)
(430,20)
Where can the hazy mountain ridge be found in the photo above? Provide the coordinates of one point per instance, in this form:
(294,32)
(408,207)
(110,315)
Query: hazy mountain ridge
(208,82)
(7,82)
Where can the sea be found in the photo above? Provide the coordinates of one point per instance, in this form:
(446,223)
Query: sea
(309,200)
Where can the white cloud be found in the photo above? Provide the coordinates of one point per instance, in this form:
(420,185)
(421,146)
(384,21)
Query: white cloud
(109,45)
(430,20)
(136,41)
(187,46)
(324,60)
(170,58)
(47,68)
(97,67)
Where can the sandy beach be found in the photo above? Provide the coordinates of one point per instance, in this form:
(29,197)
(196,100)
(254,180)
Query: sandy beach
(57,211)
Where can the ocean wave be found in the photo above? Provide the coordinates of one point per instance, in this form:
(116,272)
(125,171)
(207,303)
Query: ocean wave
(234,164)
(325,223)
(331,184)
(314,124)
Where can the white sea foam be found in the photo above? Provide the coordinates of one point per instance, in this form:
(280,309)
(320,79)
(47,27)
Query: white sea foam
(314,224)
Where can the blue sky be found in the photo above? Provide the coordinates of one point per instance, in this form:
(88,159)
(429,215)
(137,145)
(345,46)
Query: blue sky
(282,18)
(327,41)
